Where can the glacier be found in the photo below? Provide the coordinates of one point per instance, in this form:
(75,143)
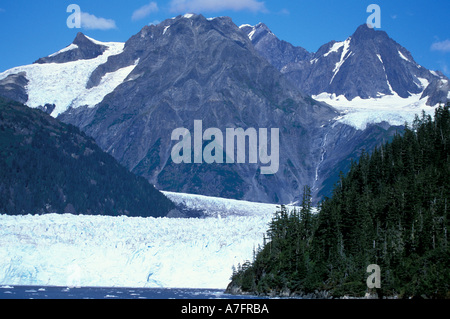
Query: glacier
(104,251)
(218,207)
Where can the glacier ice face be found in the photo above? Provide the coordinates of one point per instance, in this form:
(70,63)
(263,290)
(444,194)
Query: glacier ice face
(69,250)
(221,207)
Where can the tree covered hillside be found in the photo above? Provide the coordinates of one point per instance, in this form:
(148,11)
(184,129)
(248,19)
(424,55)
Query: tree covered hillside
(50,167)
(391,209)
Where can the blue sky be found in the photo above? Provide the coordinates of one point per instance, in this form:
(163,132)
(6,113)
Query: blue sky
(34,29)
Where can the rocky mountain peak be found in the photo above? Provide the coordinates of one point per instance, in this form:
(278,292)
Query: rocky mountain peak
(278,52)
(368,64)
(81,40)
(82,48)
(364,31)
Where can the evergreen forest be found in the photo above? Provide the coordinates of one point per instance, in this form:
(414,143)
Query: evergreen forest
(47,166)
(391,209)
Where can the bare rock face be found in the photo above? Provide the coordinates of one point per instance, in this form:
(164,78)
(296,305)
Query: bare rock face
(13,87)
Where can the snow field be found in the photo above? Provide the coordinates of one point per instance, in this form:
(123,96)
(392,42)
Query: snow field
(64,84)
(389,108)
(69,250)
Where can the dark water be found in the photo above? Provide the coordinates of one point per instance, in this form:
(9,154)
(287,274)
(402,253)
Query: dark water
(38,292)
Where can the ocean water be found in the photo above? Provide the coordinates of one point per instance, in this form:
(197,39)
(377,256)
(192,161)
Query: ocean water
(41,292)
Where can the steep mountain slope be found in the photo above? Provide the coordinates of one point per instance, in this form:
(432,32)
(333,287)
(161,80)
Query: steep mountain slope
(278,52)
(50,167)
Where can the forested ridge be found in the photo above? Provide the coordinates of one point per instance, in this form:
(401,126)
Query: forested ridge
(390,209)
(47,166)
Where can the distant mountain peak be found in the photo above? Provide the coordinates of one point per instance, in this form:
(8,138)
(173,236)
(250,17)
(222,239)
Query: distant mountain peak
(190,15)
(82,40)
(278,52)
(255,33)
(364,33)
(82,48)
(365,28)
(262,26)
(368,64)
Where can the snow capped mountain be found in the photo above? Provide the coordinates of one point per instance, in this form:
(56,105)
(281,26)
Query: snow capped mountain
(82,48)
(60,79)
(369,77)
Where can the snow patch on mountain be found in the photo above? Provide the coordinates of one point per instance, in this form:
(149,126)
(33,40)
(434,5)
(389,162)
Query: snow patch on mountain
(344,56)
(64,84)
(403,57)
(165,29)
(379,58)
(392,109)
(68,48)
(108,83)
(336,46)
